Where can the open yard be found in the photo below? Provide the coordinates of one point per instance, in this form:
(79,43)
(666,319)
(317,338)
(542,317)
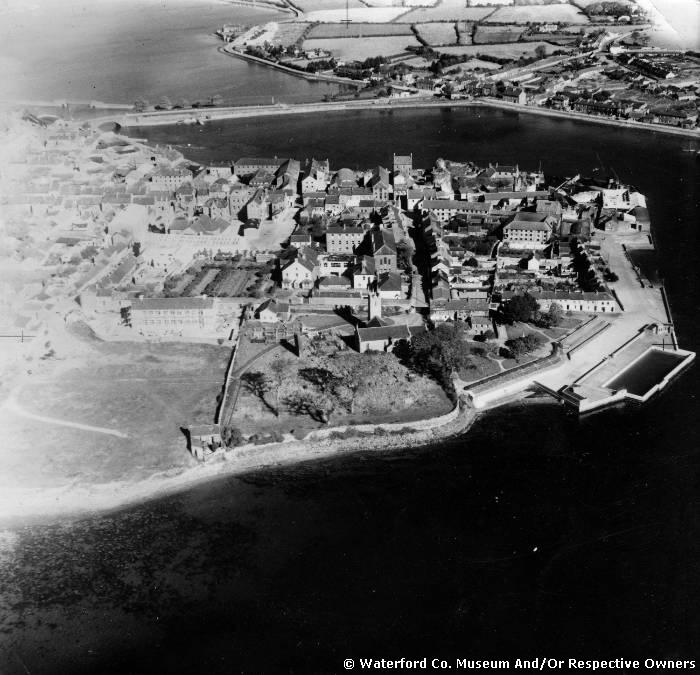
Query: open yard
(351,49)
(564,13)
(137,395)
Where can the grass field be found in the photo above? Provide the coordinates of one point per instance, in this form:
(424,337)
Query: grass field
(358,30)
(539,13)
(465,30)
(485,35)
(445,11)
(352,49)
(289,33)
(146,391)
(438,33)
(364,15)
(316,5)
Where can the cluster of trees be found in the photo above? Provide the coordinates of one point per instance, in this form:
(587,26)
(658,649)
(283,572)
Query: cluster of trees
(519,347)
(585,273)
(437,353)
(525,308)
(616,9)
(315,391)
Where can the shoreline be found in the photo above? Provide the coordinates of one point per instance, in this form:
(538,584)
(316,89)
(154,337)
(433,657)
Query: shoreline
(313,77)
(25,506)
(219,114)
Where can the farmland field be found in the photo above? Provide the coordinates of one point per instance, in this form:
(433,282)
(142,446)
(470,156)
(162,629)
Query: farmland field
(508,51)
(315,5)
(466,31)
(358,30)
(539,13)
(364,14)
(351,49)
(438,33)
(288,33)
(445,11)
(486,35)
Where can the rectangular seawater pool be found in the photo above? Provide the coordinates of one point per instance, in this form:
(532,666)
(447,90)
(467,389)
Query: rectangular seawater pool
(647,372)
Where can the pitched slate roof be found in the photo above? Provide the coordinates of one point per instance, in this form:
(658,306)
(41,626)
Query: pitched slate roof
(172,303)
(383,242)
(401,332)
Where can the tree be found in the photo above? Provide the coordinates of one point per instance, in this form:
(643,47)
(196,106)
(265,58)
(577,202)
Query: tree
(540,51)
(519,308)
(231,436)
(165,103)
(136,248)
(279,368)
(404,256)
(555,314)
(518,347)
(140,104)
(259,385)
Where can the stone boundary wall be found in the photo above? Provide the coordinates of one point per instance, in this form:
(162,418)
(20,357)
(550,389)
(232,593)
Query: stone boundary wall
(327,434)
(416,425)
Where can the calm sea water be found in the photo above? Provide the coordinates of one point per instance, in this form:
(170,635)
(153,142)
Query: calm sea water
(536,534)
(117,51)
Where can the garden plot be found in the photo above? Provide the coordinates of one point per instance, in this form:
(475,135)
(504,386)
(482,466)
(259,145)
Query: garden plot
(439,33)
(563,13)
(358,30)
(353,49)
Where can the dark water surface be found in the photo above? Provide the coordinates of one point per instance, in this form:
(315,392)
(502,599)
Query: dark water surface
(117,51)
(536,534)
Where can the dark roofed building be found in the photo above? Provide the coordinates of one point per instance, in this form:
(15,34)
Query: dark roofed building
(384,338)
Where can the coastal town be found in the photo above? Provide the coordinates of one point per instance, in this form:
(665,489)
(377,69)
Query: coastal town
(392,300)
(599,59)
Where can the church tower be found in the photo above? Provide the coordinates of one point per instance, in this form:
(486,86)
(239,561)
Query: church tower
(374,310)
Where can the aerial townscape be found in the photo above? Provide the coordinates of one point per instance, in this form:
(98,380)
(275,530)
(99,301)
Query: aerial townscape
(349,334)
(463,285)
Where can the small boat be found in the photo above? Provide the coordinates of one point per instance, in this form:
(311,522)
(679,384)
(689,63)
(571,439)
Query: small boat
(690,148)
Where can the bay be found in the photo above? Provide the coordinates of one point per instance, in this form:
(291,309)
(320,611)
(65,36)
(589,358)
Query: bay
(118,51)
